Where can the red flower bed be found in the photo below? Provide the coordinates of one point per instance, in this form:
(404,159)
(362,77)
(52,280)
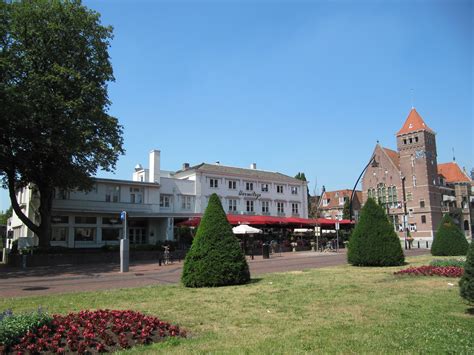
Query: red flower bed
(96,331)
(447,271)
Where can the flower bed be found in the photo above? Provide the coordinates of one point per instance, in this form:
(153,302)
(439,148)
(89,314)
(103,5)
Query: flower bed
(447,271)
(96,331)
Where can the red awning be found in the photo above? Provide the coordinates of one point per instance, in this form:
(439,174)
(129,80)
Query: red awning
(258,220)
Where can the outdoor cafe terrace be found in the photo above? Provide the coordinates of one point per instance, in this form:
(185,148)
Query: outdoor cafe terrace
(256,220)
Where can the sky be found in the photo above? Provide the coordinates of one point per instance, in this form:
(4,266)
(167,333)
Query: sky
(293,86)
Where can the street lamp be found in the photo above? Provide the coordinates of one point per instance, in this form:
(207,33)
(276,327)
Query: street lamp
(374,165)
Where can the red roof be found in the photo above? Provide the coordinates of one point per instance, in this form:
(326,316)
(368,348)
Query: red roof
(257,220)
(413,123)
(393,155)
(451,172)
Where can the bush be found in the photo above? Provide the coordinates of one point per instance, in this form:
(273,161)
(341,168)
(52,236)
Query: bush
(449,239)
(374,241)
(467,282)
(448,262)
(13,327)
(215,257)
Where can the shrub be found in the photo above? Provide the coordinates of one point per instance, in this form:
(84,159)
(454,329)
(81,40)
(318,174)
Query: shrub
(374,241)
(446,271)
(448,262)
(215,257)
(449,239)
(14,326)
(467,282)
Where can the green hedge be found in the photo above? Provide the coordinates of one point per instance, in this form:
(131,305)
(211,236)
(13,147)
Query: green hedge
(449,240)
(14,326)
(215,257)
(467,281)
(374,241)
(448,262)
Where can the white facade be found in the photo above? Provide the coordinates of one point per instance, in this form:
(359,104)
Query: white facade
(156,199)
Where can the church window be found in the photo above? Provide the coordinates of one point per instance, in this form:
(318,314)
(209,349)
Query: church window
(404,141)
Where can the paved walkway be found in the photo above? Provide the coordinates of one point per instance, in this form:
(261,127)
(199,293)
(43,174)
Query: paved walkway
(68,278)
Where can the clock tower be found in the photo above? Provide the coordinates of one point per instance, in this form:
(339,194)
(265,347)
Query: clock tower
(416,144)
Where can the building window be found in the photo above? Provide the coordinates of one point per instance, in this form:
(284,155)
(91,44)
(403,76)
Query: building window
(265,207)
(232,185)
(59,219)
(410,212)
(111,220)
(423,219)
(186,202)
(280,207)
(136,195)
(264,187)
(294,190)
(85,220)
(404,141)
(412,227)
(59,234)
(232,205)
(112,193)
(84,234)
(466,225)
(280,189)
(422,203)
(165,201)
(249,206)
(409,196)
(214,183)
(294,208)
(341,201)
(249,186)
(325,202)
(110,234)
(416,139)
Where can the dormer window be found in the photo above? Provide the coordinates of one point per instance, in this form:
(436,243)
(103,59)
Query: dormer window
(325,202)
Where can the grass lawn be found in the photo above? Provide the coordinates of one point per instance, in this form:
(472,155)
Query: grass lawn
(339,309)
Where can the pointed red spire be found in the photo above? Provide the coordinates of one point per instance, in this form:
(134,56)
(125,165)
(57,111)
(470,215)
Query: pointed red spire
(414,122)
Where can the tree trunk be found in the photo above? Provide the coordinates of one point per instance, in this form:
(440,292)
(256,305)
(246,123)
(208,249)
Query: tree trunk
(46,203)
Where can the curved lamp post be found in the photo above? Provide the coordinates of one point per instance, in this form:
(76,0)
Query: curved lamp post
(374,165)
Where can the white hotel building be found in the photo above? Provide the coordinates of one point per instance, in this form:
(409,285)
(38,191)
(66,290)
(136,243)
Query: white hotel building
(155,200)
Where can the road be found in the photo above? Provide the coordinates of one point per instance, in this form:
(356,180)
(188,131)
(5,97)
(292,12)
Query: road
(68,278)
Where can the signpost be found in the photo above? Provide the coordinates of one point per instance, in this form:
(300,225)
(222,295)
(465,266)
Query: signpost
(317,233)
(124,245)
(337,237)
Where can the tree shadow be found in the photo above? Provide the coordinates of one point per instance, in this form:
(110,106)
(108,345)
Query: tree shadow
(470,311)
(255,280)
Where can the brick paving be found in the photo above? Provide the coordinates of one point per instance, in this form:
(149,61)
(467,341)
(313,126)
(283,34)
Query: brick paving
(68,278)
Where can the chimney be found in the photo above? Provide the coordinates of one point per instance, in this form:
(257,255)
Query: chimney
(253,166)
(185,166)
(154,167)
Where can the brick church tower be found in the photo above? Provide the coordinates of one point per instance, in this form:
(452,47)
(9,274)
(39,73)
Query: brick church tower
(416,145)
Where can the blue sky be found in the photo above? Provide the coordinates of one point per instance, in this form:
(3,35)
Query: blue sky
(290,85)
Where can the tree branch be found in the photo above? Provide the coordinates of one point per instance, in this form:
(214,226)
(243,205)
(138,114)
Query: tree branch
(16,207)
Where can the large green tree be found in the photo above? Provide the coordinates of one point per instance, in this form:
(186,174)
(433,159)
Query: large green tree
(215,257)
(466,283)
(55,131)
(374,241)
(449,239)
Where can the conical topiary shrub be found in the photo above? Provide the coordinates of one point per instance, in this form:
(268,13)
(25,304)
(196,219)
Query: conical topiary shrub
(466,283)
(215,257)
(374,241)
(449,240)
